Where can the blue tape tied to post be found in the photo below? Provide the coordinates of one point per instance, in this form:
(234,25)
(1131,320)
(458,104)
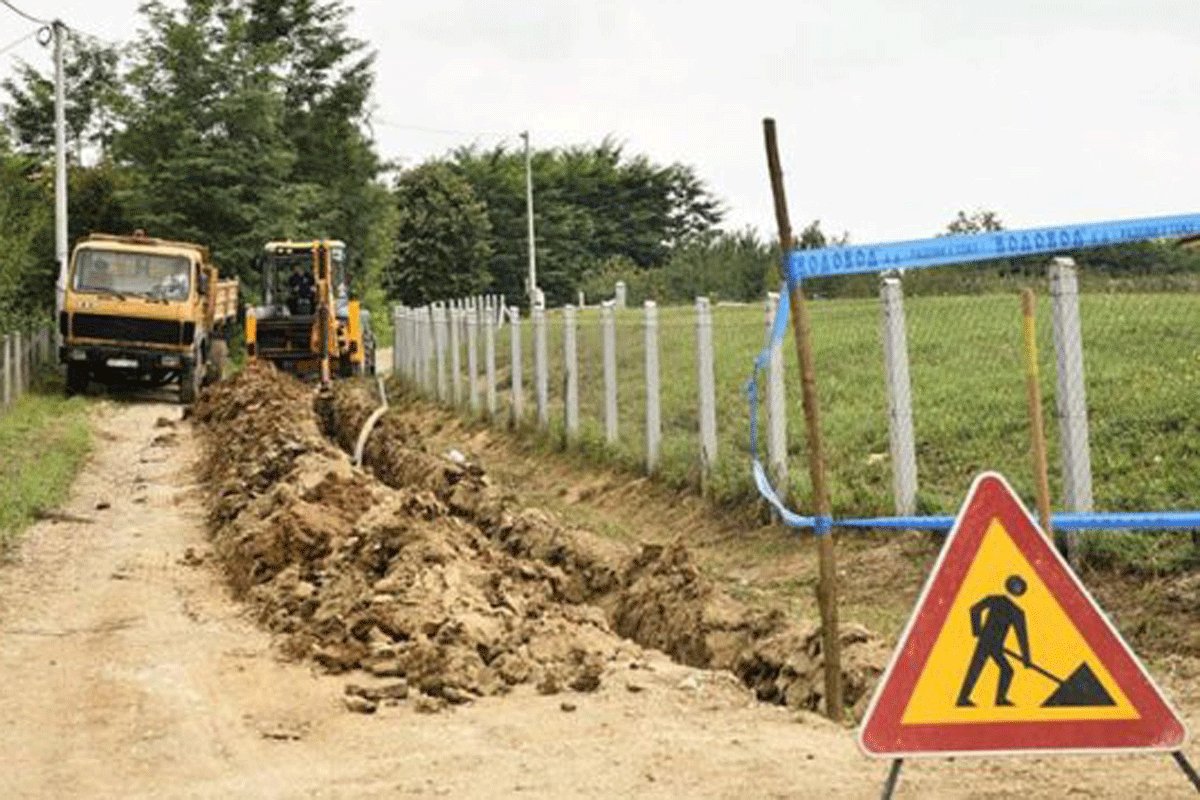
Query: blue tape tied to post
(944,251)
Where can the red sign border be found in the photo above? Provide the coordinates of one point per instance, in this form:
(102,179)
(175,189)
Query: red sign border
(882,734)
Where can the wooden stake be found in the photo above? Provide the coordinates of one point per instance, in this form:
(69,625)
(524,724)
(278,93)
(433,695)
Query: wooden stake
(827,583)
(1033,393)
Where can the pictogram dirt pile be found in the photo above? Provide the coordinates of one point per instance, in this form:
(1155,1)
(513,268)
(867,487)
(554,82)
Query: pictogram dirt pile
(426,572)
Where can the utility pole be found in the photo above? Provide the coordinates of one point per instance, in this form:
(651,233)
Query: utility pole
(60,169)
(533,290)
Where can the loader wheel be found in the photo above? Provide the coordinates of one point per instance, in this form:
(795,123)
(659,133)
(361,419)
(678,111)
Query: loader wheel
(77,379)
(190,380)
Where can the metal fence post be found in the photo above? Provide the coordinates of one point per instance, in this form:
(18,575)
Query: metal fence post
(518,394)
(570,373)
(608,330)
(707,391)
(541,372)
(1071,397)
(777,460)
(455,357)
(489,359)
(472,357)
(899,397)
(653,412)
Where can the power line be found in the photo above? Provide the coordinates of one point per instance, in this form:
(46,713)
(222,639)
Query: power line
(18,42)
(29,17)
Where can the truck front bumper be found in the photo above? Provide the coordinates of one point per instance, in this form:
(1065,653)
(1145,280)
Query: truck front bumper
(120,357)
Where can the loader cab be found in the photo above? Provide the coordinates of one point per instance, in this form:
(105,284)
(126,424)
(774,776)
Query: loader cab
(298,276)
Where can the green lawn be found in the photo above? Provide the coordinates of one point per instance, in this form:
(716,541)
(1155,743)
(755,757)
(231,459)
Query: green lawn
(1142,365)
(44,439)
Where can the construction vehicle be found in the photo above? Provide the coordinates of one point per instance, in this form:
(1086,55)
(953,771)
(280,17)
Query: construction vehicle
(308,325)
(145,310)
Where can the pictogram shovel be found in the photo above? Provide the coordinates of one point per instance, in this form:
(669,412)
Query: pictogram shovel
(1080,688)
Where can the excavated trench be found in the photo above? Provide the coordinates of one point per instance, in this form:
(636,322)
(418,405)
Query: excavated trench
(420,572)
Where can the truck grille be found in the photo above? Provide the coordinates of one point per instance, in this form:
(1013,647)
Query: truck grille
(131,329)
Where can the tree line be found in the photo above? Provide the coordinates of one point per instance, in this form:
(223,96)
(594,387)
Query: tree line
(233,122)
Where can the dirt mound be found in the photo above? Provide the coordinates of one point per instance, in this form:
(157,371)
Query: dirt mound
(653,595)
(357,575)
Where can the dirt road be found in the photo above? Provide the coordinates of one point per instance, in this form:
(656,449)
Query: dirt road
(127,671)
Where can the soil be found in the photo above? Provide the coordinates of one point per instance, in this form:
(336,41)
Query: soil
(139,659)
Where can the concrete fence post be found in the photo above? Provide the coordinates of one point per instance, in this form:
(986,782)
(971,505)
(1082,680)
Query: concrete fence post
(1071,397)
(472,320)
(441,313)
(776,404)
(518,395)
(707,391)
(19,362)
(570,373)
(8,371)
(619,293)
(430,357)
(653,411)
(899,397)
(455,357)
(397,339)
(541,371)
(489,360)
(608,332)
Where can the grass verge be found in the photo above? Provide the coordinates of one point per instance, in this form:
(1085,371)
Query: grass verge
(44,439)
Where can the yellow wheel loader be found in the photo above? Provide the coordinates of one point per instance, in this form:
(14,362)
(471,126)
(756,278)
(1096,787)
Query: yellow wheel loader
(308,325)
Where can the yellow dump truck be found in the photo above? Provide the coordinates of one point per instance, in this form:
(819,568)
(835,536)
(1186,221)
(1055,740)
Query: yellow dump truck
(140,309)
(308,324)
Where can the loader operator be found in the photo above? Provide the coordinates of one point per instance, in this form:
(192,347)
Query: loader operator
(300,291)
(990,632)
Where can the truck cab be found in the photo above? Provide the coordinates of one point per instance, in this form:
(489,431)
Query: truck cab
(143,310)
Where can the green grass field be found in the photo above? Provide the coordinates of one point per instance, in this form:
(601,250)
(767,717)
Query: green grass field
(44,439)
(1142,365)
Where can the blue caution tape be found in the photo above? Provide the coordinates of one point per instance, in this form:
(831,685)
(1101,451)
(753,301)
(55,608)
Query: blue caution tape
(965,249)
(1151,520)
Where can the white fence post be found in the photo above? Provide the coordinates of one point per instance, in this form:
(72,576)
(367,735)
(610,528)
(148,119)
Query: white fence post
(776,404)
(19,362)
(518,394)
(619,295)
(439,344)
(430,356)
(489,359)
(455,357)
(653,412)
(472,357)
(1071,396)
(608,329)
(707,390)
(541,372)
(570,374)
(8,371)
(899,397)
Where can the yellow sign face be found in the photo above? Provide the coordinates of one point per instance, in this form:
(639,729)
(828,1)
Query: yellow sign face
(1008,652)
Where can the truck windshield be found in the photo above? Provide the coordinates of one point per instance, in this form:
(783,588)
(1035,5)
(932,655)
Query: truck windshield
(124,273)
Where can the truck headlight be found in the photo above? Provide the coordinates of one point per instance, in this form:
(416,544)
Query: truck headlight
(75,354)
(170,361)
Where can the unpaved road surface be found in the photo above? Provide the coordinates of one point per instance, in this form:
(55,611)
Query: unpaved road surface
(127,671)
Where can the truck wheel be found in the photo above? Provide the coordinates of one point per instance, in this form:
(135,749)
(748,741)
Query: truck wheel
(190,380)
(216,362)
(77,379)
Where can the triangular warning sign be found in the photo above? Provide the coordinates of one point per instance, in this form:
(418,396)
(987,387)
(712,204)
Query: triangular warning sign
(1007,652)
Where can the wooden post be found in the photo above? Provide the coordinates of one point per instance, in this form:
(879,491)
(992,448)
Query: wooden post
(19,363)
(1033,393)
(827,583)
(8,371)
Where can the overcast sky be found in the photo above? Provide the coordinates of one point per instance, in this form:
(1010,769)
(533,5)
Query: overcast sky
(892,114)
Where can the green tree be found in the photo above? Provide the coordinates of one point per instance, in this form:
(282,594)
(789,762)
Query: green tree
(26,236)
(442,237)
(90,73)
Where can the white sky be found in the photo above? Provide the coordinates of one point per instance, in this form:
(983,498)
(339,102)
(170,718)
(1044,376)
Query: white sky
(892,114)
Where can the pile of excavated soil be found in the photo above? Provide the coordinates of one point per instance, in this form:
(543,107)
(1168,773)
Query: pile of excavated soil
(653,595)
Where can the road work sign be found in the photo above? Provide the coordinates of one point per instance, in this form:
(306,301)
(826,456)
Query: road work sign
(1007,652)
